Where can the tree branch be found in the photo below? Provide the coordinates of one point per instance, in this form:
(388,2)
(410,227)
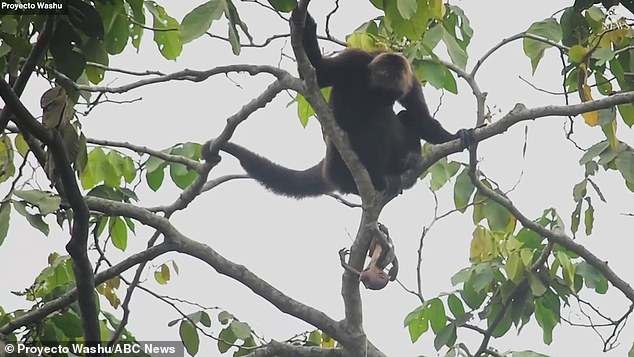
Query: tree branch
(275,348)
(78,244)
(184,75)
(518,114)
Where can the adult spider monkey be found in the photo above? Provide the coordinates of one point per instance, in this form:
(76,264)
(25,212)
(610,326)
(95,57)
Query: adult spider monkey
(365,86)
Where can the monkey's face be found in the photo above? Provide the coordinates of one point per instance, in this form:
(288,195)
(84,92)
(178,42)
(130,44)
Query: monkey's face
(374,278)
(391,72)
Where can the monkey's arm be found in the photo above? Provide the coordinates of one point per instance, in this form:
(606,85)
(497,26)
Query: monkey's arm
(332,70)
(418,118)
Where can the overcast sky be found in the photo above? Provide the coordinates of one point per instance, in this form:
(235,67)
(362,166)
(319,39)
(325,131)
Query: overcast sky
(293,244)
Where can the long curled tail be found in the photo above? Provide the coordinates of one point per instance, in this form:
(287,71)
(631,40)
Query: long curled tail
(279,179)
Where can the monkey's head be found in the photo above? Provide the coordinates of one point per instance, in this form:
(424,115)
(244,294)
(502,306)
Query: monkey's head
(391,72)
(374,278)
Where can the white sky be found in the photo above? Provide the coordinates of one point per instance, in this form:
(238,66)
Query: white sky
(293,244)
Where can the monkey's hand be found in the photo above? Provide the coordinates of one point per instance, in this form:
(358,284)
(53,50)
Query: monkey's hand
(208,154)
(309,23)
(466,137)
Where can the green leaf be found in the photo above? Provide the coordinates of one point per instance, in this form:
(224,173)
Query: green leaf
(129,170)
(455,306)
(283,5)
(575,218)
(224,317)
(155,179)
(514,267)
(116,25)
(503,325)
(138,14)
(35,220)
(162,276)
(118,232)
(604,86)
(226,338)
(574,27)
(579,190)
(189,337)
(433,36)
(182,176)
(417,323)
(568,268)
(461,276)
(592,277)
(412,28)
(20,145)
(441,172)
(594,151)
(547,318)
(205,320)
(537,286)
(481,279)
(533,49)
(95,52)
(5,215)
(498,217)
(625,165)
(304,109)
(602,55)
(626,111)
(450,82)
(86,19)
(69,323)
(436,314)
(231,13)
(64,48)
(240,329)
(588,217)
(114,163)
(457,54)
(446,337)
(46,202)
(472,297)
(166,38)
(407,8)
(198,21)
(432,72)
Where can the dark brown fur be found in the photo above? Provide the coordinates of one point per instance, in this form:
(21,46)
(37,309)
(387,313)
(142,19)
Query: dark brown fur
(365,87)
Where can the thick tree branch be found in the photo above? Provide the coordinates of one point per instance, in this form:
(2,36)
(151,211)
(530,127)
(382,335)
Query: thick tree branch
(275,348)
(372,203)
(77,246)
(178,242)
(518,114)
